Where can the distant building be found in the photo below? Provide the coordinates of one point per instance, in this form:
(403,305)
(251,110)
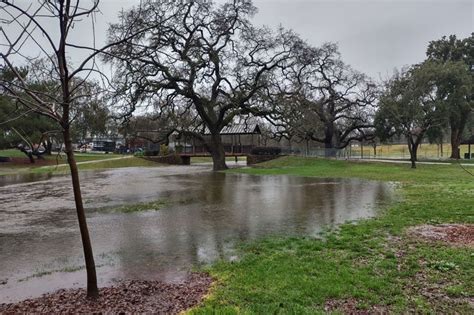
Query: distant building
(104,144)
(236,138)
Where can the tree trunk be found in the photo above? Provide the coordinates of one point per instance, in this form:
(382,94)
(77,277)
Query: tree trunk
(413,148)
(329,150)
(455,143)
(92,290)
(29,154)
(330,140)
(48,146)
(216,148)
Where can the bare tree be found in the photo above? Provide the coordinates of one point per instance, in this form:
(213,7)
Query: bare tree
(335,104)
(41,30)
(200,56)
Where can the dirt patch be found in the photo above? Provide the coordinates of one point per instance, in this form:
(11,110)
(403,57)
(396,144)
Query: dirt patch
(351,306)
(453,234)
(430,280)
(134,296)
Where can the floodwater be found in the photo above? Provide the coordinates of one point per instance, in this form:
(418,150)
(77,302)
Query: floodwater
(205,216)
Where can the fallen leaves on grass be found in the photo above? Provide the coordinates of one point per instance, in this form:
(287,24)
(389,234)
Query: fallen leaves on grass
(453,234)
(352,306)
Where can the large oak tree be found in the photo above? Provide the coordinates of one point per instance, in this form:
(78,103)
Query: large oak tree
(329,103)
(457,83)
(198,55)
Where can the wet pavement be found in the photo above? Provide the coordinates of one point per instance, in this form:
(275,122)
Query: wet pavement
(205,216)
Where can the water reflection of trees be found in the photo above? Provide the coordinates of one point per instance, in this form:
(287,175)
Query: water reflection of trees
(226,208)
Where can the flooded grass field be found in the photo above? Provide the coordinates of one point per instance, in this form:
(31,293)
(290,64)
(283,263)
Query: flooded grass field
(202,216)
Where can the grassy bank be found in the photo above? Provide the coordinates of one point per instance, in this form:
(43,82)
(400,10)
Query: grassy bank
(96,165)
(86,162)
(80,157)
(373,266)
(229,159)
(425,151)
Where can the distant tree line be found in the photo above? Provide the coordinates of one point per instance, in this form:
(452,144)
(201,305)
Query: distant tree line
(428,99)
(197,67)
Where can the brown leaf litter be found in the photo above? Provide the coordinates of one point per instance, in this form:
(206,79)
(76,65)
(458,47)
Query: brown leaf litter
(351,306)
(452,234)
(132,296)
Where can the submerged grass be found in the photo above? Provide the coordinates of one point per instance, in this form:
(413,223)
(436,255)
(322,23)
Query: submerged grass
(373,262)
(137,207)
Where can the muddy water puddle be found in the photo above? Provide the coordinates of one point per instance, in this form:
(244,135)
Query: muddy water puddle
(205,216)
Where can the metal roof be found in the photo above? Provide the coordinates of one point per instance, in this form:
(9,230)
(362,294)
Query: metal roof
(468,140)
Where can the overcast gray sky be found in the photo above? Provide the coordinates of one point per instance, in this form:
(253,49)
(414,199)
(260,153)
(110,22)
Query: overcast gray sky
(374,36)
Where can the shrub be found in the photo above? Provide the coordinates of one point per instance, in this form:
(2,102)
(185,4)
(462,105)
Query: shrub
(150,153)
(164,150)
(266,151)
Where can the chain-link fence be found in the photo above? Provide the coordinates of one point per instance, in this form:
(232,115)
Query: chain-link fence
(394,151)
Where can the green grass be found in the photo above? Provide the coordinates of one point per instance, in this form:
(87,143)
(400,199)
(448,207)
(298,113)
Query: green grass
(63,168)
(374,262)
(127,162)
(80,157)
(12,153)
(203,159)
(425,151)
(117,163)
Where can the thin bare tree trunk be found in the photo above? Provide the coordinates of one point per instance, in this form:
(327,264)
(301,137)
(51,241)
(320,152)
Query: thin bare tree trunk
(92,289)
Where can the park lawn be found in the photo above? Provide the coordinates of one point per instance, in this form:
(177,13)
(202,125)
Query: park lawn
(229,159)
(100,161)
(61,158)
(426,151)
(114,162)
(373,264)
(119,163)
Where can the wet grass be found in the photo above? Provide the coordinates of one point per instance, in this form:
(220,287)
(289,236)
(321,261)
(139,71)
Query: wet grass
(56,162)
(80,157)
(108,164)
(229,159)
(137,207)
(425,151)
(119,163)
(12,153)
(373,262)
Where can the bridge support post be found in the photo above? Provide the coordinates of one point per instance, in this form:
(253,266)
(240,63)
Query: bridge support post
(186,160)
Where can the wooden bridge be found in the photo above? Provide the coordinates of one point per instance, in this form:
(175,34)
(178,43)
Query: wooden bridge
(186,157)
